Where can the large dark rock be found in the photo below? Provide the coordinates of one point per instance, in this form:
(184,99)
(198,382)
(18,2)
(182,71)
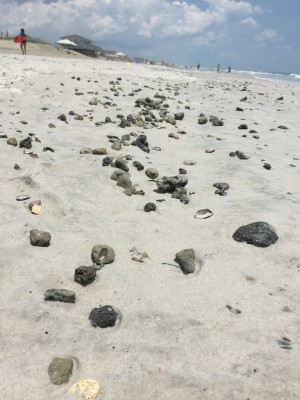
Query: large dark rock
(60,370)
(62,295)
(258,233)
(103,317)
(139,166)
(41,239)
(121,164)
(84,275)
(179,116)
(186,260)
(150,207)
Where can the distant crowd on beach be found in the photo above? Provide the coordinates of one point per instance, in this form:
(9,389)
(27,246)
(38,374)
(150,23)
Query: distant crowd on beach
(218,68)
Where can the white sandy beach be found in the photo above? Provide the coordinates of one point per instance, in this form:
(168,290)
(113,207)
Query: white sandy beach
(174,338)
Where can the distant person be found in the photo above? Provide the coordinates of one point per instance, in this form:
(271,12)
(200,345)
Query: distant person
(229,69)
(218,68)
(198,67)
(23,40)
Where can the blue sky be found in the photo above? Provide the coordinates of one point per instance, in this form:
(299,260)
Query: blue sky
(261,35)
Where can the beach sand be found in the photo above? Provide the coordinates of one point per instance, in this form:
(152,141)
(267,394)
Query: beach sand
(175,338)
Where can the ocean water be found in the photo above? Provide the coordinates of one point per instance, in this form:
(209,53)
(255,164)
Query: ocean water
(272,76)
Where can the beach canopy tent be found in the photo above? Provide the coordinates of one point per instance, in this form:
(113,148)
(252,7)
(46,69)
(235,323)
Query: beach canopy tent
(120,54)
(66,42)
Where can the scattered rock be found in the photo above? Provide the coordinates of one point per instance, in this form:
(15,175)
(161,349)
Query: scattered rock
(116,146)
(107,161)
(103,317)
(39,238)
(282,127)
(179,116)
(103,254)
(12,141)
(189,162)
(141,143)
(150,207)
(62,295)
(86,150)
(60,370)
(235,311)
(121,164)
(17,167)
(152,173)
(241,155)
(139,166)
(285,343)
(186,260)
(280,98)
(222,187)
(259,234)
(35,207)
(267,166)
(209,150)
(48,149)
(101,151)
(84,275)
(169,184)
(243,126)
(124,181)
(182,171)
(26,143)
(239,109)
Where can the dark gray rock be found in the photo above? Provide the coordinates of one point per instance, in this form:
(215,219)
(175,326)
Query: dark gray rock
(282,127)
(241,155)
(116,174)
(267,166)
(239,109)
(62,295)
(84,275)
(150,207)
(103,317)
(141,143)
(60,370)
(234,311)
(280,98)
(107,161)
(62,117)
(259,234)
(232,154)
(121,164)
(182,171)
(244,98)
(107,120)
(169,184)
(243,126)
(103,254)
(26,143)
(40,239)
(184,199)
(139,166)
(186,260)
(222,187)
(202,120)
(179,116)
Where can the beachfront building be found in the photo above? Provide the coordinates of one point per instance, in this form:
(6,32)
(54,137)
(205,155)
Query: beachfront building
(80,44)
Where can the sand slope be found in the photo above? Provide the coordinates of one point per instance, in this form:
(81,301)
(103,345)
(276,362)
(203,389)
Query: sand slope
(175,338)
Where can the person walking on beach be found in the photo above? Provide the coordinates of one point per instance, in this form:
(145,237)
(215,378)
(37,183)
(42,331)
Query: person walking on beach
(23,39)
(229,69)
(218,68)
(198,67)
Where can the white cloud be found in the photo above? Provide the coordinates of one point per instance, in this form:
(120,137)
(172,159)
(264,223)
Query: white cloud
(102,18)
(267,35)
(249,22)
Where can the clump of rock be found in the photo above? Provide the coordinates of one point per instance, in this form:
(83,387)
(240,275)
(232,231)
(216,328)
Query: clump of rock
(84,275)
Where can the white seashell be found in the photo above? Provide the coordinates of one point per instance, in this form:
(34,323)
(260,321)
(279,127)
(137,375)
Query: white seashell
(203,214)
